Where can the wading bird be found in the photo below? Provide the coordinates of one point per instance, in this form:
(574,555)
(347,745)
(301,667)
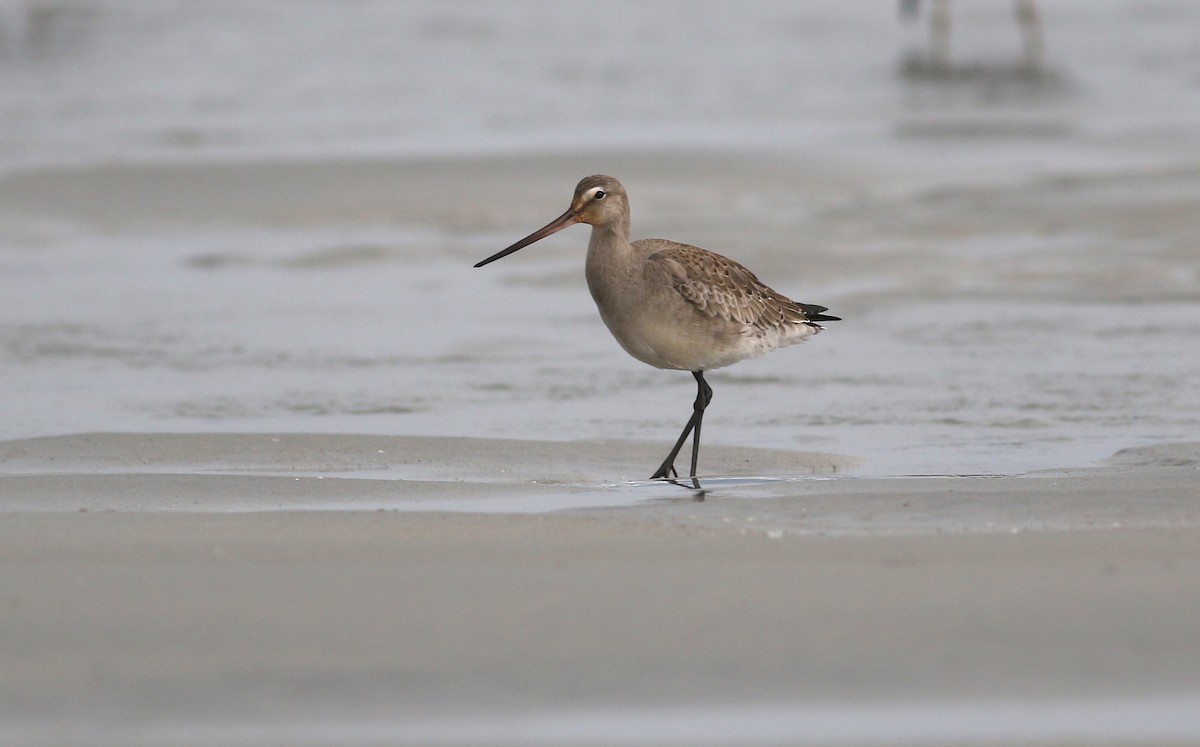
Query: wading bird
(672,305)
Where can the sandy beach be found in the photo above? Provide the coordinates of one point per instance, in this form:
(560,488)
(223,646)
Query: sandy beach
(279,467)
(309,589)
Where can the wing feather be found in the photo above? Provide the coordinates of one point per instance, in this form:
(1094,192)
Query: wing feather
(720,287)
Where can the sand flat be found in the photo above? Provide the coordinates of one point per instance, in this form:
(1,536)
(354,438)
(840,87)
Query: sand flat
(152,616)
(306,478)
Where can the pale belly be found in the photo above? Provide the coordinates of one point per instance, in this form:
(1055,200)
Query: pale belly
(692,344)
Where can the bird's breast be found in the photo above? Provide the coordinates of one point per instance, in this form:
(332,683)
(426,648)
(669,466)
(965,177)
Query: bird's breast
(658,327)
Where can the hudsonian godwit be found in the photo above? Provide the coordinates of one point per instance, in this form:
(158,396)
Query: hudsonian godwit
(672,305)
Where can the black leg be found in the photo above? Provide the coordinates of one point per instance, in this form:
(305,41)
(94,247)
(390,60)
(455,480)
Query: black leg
(703,397)
(667,468)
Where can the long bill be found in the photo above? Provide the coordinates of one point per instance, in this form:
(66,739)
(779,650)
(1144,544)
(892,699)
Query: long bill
(568,218)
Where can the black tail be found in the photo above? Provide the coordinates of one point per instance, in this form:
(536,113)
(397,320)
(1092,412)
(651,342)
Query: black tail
(813,312)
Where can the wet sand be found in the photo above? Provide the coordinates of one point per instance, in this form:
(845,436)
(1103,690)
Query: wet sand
(337,295)
(181,583)
(277,467)
(201,589)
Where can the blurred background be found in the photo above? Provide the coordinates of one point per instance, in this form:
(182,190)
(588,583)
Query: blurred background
(261,215)
(102,80)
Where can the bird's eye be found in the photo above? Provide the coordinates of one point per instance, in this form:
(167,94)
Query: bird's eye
(599,195)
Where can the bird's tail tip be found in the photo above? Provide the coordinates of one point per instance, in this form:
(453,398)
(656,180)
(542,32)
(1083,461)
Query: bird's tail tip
(815,313)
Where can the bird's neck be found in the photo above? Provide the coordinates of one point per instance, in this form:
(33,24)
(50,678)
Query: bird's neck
(609,259)
(609,245)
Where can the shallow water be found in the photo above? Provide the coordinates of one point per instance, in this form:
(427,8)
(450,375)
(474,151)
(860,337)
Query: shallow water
(198,235)
(88,80)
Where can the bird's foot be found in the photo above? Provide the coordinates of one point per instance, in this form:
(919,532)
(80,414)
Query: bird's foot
(668,473)
(665,472)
